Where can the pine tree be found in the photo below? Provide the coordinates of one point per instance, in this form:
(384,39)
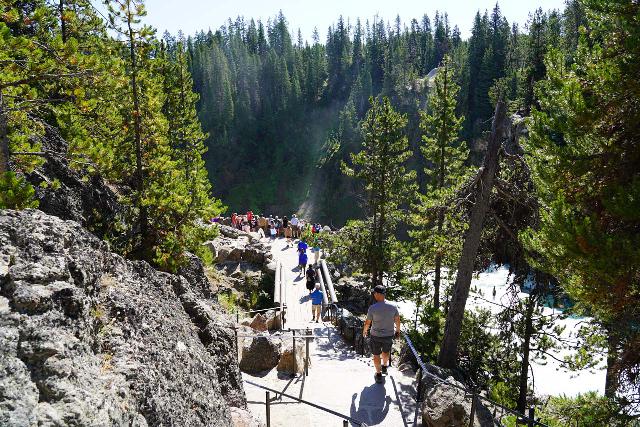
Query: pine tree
(441,37)
(186,140)
(151,156)
(387,183)
(427,43)
(587,129)
(439,229)
(477,47)
(43,73)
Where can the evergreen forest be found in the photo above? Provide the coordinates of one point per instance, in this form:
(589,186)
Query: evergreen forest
(282,113)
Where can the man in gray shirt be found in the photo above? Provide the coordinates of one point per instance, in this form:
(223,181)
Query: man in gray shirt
(381,319)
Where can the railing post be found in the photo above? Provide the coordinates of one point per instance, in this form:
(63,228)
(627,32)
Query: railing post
(237,316)
(473,408)
(295,355)
(532,414)
(345,423)
(268,404)
(306,353)
(418,397)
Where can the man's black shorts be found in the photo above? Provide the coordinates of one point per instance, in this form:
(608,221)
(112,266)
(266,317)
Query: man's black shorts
(380,345)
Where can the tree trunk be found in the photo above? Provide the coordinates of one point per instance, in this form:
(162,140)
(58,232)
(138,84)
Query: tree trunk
(139,180)
(449,349)
(4,140)
(63,24)
(611,379)
(444,139)
(526,344)
(436,283)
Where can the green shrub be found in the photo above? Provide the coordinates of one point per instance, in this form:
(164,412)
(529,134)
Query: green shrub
(16,192)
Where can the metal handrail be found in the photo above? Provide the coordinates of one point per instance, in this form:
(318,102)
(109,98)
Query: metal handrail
(425,371)
(329,281)
(325,298)
(306,402)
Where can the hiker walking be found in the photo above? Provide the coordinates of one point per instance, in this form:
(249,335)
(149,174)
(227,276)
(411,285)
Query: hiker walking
(316,250)
(302,246)
(317,297)
(302,261)
(294,226)
(311,278)
(381,319)
(285,225)
(272,227)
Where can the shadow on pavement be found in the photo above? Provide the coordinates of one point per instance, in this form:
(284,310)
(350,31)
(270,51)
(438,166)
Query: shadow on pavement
(373,405)
(400,400)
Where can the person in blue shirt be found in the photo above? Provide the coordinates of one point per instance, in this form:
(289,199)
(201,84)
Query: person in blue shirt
(302,262)
(316,303)
(302,246)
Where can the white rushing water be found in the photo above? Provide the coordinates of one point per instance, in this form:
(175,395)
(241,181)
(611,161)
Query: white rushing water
(550,378)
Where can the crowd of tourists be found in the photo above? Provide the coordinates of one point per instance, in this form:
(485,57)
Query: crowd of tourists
(273,227)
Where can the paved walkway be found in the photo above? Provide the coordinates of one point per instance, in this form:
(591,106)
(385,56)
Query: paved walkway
(338,379)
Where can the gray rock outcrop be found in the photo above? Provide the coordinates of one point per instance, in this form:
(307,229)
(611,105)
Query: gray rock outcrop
(445,405)
(89,338)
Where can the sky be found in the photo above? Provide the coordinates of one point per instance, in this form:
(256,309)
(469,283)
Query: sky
(191,16)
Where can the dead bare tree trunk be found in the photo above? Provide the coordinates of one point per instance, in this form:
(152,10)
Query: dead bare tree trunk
(449,349)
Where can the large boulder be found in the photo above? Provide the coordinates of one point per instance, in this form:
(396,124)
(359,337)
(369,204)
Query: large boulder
(260,354)
(89,338)
(256,253)
(259,323)
(273,320)
(445,405)
(286,363)
(349,325)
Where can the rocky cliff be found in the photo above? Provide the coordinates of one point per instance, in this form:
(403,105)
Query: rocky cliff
(90,338)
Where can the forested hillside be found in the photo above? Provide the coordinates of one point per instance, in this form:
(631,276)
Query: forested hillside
(282,113)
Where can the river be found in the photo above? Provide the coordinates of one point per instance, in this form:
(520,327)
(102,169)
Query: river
(549,377)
